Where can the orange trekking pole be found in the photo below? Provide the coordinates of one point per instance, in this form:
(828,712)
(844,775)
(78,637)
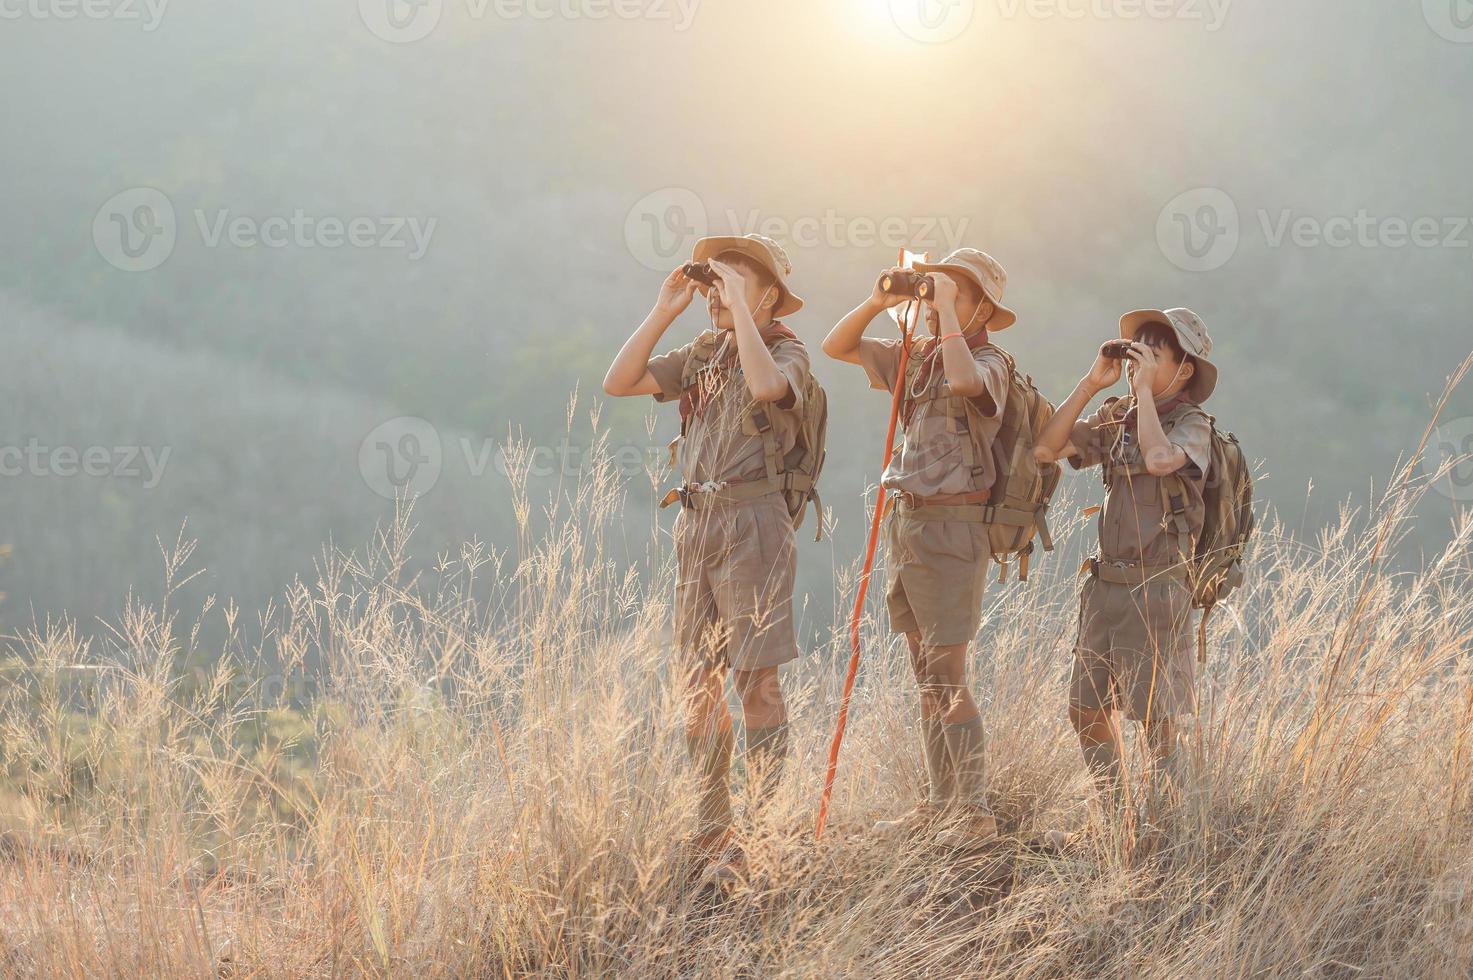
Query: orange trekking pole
(907,330)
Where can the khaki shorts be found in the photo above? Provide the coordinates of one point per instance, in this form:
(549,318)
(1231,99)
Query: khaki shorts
(938,572)
(735,566)
(1135,650)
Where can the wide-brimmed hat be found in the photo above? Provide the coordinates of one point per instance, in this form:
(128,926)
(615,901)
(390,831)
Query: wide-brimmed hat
(1192,333)
(762,250)
(982,270)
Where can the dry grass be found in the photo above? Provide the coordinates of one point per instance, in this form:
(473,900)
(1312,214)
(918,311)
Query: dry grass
(404,781)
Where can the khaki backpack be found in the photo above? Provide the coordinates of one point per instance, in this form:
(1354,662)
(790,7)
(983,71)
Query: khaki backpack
(795,473)
(1016,510)
(1214,565)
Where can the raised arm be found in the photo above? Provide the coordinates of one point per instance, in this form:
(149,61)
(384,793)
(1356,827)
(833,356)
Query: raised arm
(1161,456)
(842,343)
(1054,442)
(630,374)
(962,373)
(765,381)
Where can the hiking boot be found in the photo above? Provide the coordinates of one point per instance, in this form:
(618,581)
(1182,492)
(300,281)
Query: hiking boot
(921,819)
(971,825)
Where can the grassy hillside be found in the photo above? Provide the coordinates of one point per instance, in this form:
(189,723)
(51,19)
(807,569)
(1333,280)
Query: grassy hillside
(399,780)
(259,469)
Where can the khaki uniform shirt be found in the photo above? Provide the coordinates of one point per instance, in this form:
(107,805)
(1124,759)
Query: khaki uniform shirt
(1132,524)
(721,443)
(930,462)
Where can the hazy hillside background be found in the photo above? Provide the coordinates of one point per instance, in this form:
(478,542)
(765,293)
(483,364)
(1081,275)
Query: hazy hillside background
(540,147)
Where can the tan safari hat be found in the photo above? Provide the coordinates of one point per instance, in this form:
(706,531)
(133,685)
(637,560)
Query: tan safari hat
(1192,333)
(762,250)
(983,270)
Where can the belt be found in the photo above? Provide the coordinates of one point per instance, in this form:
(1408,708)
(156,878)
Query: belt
(913,501)
(1132,572)
(703,496)
(966,508)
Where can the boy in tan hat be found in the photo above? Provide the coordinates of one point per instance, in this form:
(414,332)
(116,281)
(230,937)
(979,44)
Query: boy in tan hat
(937,547)
(1134,650)
(734,541)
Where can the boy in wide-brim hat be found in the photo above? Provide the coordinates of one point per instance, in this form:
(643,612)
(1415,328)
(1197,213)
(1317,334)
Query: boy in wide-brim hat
(740,386)
(1134,652)
(953,395)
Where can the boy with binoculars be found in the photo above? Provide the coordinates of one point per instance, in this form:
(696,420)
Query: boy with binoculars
(952,395)
(741,387)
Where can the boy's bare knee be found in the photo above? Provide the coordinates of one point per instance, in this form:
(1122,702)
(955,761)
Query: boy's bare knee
(759,688)
(1096,727)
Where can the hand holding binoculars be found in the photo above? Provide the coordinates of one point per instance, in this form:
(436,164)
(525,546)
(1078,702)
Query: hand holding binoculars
(908,283)
(701,272)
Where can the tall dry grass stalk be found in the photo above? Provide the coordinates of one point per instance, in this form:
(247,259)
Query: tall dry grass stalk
(406,780)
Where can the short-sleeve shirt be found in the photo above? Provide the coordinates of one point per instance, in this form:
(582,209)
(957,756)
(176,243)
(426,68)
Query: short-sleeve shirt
(1132,524)
(930,461)
(721,441)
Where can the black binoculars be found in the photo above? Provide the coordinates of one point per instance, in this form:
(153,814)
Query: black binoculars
(701,272)
(1116,350)
(908,282)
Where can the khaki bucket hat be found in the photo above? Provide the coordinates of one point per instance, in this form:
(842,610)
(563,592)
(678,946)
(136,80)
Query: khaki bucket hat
(1192,333)
(983,270)
(762,250)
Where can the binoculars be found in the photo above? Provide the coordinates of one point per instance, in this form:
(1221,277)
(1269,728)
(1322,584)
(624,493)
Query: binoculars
(908,283)
(1116,350)
(701,272)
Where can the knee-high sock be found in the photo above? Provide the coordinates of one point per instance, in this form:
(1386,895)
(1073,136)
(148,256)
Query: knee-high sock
(938,765)
(766,750)
(1103,762)
(710,757)
(966,744)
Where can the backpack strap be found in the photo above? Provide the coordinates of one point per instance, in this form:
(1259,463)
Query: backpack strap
(702,353)
(780,475)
